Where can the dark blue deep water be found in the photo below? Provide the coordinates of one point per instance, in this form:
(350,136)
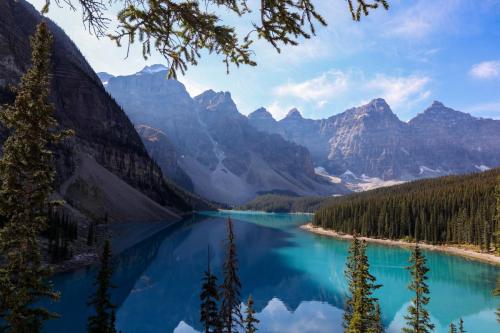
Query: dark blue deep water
(296,280)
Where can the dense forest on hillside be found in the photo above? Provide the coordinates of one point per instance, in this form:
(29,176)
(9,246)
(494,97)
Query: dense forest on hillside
(453,209)
(275,203)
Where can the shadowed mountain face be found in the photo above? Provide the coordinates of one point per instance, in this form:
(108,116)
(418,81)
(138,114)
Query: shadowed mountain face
(105,166)
(226,159)
(370,140)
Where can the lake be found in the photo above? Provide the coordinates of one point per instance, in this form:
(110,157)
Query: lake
(296,279)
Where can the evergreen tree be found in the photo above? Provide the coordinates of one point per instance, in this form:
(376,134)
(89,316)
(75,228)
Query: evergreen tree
(453,328)
(230,312)
(250,320)
(350,275)
(378,327)
(497,218)
(209,297)
(362,311)
(453,209)
(197,27)
(418,320)
(461,328)
(103,321)
(26,177)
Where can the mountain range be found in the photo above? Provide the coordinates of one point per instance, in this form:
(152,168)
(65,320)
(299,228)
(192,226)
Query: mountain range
(371,141)
(206,146)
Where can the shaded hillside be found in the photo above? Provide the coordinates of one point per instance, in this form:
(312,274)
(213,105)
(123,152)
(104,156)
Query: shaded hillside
(105,143)
(453,209)
(273,203)
(206,145)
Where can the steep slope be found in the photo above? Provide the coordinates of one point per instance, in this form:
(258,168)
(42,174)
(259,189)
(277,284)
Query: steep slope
(370,143)
(164,152)
(370,140)
(226,159)
(105,139)
(455,142)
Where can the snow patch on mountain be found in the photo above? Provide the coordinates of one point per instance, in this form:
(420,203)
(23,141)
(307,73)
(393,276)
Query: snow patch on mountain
(482,167)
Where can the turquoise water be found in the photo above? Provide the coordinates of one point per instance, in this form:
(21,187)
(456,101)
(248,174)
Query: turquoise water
(296,279)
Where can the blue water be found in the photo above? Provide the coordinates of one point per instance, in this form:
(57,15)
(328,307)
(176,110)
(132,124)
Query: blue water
(296,279)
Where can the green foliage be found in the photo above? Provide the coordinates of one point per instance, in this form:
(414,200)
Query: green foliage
(362,312)
(250,320)
(103,321)
(497,217)
(230,311)
(454,209)
(275,203)
(181,30)
(461,328)
(209,296)
(60,233)
(453,328)
(26,178)
(418,320)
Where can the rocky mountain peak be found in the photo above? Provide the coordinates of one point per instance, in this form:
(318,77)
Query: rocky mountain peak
(104,77)
(294,114)
(378,105)
(157,68)
(260,114)
(217,101)
(441,113)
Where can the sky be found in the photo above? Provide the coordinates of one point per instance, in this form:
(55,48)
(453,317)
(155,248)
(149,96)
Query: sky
(417,52)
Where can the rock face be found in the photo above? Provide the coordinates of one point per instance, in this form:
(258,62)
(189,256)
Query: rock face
(105,140)
(370,140)
(206,138)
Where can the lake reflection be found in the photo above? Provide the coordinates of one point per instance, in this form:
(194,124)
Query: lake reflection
(295,278)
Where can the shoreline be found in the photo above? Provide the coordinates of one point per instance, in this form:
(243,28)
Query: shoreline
(457,251)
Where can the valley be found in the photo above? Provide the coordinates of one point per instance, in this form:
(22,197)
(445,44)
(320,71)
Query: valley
(323,187)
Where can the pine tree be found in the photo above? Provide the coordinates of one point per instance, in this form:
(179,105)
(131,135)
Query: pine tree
(350,275)
(461,328)
(377,325)
(26,177)
(230,312)
(453,328)
(418,320)
(103,321)
(209,297)
(363,312)
(496,233)
(250,320)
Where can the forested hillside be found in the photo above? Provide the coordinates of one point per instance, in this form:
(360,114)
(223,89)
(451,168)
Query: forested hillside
(454,209)
(285,204)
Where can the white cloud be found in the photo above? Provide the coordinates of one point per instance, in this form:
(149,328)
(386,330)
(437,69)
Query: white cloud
(488,109)
(319,89)
(400,90)
(486,70)
(279,110)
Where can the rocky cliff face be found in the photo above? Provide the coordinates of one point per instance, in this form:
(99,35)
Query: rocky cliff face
(225,158)
(370,140)
(105,140)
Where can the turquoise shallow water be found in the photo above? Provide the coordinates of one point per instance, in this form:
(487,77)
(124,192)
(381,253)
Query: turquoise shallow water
(295,277)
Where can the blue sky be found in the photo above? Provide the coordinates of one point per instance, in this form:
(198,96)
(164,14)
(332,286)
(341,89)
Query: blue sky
(417,52)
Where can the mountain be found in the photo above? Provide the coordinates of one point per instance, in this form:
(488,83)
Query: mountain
(104,170)
(370,143)
(206,138)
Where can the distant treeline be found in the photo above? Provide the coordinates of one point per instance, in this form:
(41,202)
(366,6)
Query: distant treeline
(453,209)
(275,203)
